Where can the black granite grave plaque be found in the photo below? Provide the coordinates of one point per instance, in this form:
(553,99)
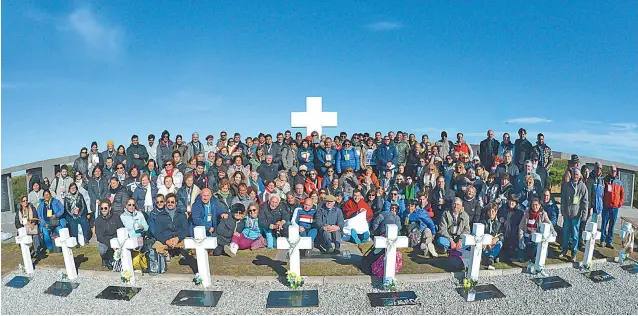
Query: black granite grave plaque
(18,282)
(631,268)
(292,299)
(197,298)
(480,292)
(120,293)
(551,283)
(61,288)
(598,276)
(393,299)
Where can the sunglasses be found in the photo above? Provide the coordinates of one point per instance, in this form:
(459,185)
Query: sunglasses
(253,210)
(104,208)
(24,201)
(83,152)
(169,165)
(170,202)
(395,193)
(130,204)
(159,201)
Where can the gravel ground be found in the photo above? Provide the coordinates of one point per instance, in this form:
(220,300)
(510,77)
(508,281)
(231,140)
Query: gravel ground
(523,297)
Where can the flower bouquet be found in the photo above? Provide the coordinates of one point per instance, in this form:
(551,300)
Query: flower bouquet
(294,280)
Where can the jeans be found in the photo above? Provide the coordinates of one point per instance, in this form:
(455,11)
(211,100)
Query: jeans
(530,248)
(46,233)
(270,239)
(105,251)
(312,233)
(609,218)
(357,238)
(495,250)
(571,228)
(73,228)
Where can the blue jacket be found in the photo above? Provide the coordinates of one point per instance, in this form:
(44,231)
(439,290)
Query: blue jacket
(321,158)
(140,195)
(325,216)
(386,153)
(165,228)
(305,218)
(56,207)
(596,189)
(201,218)
(326,181)
(352,160)
(423,218)
(400,212)
(552,211)
(383,219)
(311,158)
(131,220)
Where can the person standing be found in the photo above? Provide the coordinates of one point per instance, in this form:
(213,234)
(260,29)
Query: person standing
(444,145)
(488,149)
(151,148)
(522,148)
(136,154)
(613,198)
(574,206)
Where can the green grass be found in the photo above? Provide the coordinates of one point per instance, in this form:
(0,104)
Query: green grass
(261,262)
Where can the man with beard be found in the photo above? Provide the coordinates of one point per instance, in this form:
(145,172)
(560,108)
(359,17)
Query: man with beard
(136,154)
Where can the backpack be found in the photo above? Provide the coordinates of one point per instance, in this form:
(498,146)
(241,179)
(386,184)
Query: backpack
(156,262)
(368,259)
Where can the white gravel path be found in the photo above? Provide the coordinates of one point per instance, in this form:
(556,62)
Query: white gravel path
(523,297)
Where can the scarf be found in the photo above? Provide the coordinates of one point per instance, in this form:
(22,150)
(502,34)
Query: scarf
(73,200)
(170,172)
(531,221)
(223,195)
(148,199)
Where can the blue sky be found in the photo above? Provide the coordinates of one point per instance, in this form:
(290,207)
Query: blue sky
(74,72)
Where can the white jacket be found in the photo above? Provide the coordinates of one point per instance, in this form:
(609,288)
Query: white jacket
(178,178)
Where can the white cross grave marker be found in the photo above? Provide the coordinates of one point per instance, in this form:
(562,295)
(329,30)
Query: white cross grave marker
(293,244)
(201,244)
(314,119)
(627,244)
(24,241)
(590,235)
(391,242)
(66,243)
(477,240)
(543,238)
(125,244)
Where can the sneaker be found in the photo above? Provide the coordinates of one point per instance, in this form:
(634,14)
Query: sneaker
(562,255)
(574,258)
(322,249)
(432,250)
(610,245)
(229,251)
(356,239)
(490,262)
(491,267)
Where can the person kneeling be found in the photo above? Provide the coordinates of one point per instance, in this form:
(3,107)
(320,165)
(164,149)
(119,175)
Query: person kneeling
(134,221)
(493,227)
(421,229)
(229,231)
(171,227)
(305,217)
(532,219)
(106,225)
(454,223)
(329,223)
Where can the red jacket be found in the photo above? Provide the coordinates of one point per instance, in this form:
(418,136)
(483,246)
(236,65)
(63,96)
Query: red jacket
(614,195)
(462,148)
(312,186)
(351,208)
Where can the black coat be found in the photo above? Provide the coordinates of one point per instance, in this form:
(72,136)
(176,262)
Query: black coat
(80,203)
(226,228)
(268,217)
(106,227)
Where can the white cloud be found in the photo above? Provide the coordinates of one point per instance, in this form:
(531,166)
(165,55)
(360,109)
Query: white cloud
(624,126)
(96,34)
(528,120)
(385,26)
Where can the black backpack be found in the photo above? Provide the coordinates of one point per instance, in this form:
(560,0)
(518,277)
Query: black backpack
(369,258)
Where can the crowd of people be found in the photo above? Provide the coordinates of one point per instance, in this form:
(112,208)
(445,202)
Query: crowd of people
(247,192)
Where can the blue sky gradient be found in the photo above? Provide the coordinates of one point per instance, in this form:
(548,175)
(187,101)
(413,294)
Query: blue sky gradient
(74,72)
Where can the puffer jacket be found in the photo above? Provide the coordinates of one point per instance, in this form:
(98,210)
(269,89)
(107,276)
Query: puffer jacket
(347,157)
(167,228)
(310,155)
(56,207)
(473,208)
(424,220)
(120,195)
(596,190)
(324,156)
(552,211)
(385,154)
(574,201)
(132,220)
(106,227)
(614,193)
(227,228)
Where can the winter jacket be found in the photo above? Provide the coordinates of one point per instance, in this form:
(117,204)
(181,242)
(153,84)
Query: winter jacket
(108,173)
(55,206)
(227,228)
(193,149)
(445,148)
(311,185)
(326,216)
(183,150)
(187,197)
(305,218)
(400,202)
(403,150)
(119,199)
(574,201)
(446,195)
(106,154)
(488,149)
(33,213)
(454,229)
(132,220)
(368,156)
(511,169)
(347,157)
(552,211)
(80,165)
(301,152)
(348,185)
(245,201)
(167,228)
(268,172)
(131,184)
(251,228)
(473,208)
(351,209)
(35,197)
(545,158)
(383,219)
(98,190)
(80,203)
(140,162)
(140,195)
(494,227)
(287,157)
(222,203)
(520,181)
(268,216)
(152,152)
(596,190)
(523,225)
(106,227)
(614,196)
(323,157)
(522,151)
(424,220)
(410,191)
(164,152)
(384,154)
(60,186)
(178,178)
(463,147)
